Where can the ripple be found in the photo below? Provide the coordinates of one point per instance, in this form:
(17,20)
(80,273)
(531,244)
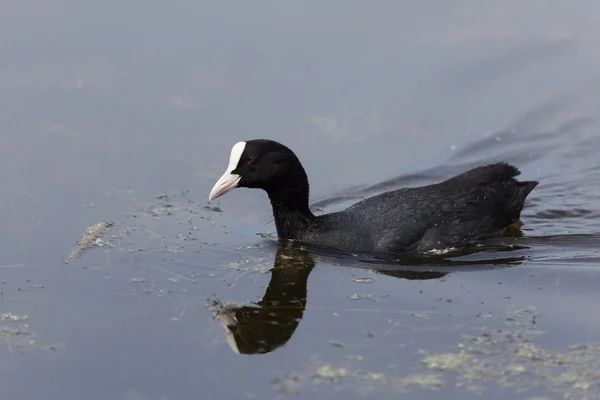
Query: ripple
(564,213)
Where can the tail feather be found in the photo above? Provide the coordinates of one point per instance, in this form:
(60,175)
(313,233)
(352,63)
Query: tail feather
(526,187)
(523,190)
(498,183)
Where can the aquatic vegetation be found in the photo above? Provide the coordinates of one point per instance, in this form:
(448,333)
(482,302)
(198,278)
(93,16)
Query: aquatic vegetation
(16,335)
(508,357)
(91,237)
(13,317)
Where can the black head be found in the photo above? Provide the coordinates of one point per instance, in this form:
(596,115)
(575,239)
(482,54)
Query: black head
(263,164)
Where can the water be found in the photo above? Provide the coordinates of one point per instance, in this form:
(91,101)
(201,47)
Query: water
(126,112)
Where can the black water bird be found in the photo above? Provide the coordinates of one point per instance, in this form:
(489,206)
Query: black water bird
(461,211)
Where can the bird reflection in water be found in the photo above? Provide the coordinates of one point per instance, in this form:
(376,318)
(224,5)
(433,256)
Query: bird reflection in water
(269,324)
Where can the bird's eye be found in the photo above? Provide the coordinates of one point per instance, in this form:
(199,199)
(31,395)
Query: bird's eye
(252,160)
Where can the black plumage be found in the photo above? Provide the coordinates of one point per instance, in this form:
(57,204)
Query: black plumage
(461,211)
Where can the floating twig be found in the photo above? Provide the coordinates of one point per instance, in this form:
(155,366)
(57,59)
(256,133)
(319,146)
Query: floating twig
(90,238)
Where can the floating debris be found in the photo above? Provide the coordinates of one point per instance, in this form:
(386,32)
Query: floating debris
(18,331)
(442,251)
(366,296)
(328,373)
(213,208)
(350,375)
(507,357)
(161,211)
(13,317)
(424,381)
(267,235)
(90,238)
(363,280)
(447,361)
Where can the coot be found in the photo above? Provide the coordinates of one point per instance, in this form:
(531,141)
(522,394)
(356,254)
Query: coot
(458,212)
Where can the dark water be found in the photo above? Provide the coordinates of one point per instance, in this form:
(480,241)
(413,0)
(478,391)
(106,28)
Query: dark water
(126,112)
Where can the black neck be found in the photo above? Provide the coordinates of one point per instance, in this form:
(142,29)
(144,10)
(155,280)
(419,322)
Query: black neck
(291,212)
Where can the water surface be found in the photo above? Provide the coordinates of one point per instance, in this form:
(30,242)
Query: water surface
(126,112)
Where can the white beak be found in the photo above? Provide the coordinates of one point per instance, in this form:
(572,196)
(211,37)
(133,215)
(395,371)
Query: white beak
(225,183)
(229,181)
(226,316)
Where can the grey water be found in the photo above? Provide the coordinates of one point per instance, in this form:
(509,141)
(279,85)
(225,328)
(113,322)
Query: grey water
(126,112)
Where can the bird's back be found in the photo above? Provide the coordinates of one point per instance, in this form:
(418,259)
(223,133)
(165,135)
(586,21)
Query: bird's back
(467,208)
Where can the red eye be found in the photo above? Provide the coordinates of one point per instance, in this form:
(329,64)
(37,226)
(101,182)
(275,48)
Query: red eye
(252,160)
